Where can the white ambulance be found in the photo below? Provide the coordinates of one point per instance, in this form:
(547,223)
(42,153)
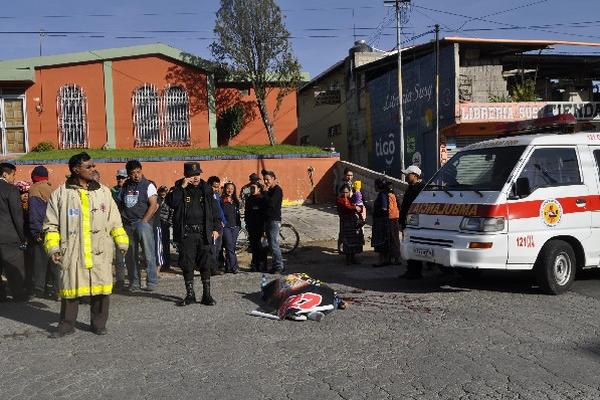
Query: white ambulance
(515,203)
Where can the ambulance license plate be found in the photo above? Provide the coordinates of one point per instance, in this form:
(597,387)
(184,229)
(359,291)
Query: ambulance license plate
(423,253)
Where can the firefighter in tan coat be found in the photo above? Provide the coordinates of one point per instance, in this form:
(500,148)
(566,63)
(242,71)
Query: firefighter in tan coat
(81,228)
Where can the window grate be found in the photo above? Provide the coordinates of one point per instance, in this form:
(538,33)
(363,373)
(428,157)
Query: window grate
(146,116)
(177,116)
(161,119)
(72,117)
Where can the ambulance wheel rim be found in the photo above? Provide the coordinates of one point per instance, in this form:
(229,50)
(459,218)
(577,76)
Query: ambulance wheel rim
(562,268)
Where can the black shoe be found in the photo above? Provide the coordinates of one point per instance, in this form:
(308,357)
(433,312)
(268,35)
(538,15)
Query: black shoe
(190,296)
(166,269)
(60,333)
(99,332)
(207,299)
(234,271)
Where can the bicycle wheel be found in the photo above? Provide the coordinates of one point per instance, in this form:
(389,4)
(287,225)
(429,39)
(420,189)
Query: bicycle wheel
(243,243)
(288,238)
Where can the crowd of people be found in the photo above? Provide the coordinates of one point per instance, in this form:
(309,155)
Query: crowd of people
(389,219)
(64,242)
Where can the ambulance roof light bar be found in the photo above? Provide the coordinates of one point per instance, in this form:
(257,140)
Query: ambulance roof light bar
(563,123)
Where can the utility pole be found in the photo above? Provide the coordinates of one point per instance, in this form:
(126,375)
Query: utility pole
(402,8)
(437,95)
(42,34)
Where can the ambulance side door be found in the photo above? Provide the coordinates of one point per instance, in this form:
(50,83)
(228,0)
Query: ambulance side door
(557,204)
(593,251)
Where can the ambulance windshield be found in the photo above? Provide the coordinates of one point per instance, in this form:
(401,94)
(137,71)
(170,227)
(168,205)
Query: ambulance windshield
(480,169)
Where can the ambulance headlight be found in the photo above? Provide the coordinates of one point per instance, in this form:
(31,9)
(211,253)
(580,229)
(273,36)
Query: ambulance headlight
(412,220)
(478,224)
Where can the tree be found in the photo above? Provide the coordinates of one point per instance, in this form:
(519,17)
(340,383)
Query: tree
(253,43)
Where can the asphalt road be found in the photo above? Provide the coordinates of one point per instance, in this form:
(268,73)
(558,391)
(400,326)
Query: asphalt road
(440,338)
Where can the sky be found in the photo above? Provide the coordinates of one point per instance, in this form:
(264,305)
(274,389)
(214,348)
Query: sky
(322,30)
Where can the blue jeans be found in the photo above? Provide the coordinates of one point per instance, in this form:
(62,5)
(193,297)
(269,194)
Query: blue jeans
(272,230)
(230,236)
(141,232)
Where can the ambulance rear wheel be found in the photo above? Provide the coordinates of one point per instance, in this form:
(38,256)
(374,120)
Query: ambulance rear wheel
(555,267)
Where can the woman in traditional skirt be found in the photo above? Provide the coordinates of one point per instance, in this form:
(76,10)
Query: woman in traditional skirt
(350,227)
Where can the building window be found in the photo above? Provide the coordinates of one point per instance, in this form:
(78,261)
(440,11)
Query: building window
(146,122)
(72,117)
(330,96)
(334,130)
(177,116)
(244,92)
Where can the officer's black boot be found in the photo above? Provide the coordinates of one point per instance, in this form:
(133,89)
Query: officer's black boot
(207,299)
(190,295)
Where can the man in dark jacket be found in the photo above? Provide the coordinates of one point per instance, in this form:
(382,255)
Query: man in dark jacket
(219,265)
(273,196)
(255,225)
(12,234)
(138,204)
(415,185)
(39,194)
(196,226)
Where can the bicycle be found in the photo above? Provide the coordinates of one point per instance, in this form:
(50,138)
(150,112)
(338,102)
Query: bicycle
(289,239)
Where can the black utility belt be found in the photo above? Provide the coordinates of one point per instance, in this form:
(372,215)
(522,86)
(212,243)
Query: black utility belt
(194,228)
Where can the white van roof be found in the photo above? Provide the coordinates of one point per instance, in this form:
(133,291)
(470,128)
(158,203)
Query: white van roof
(547,139)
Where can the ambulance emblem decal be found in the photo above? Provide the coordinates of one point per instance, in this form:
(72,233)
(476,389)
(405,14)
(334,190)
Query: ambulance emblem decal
(551,212)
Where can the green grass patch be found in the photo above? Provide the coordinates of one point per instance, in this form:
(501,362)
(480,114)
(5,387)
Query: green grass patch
(175,152)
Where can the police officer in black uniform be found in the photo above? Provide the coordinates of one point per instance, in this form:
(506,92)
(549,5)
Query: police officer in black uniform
(196,226)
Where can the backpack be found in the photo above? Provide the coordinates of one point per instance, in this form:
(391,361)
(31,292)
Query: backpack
(393,212)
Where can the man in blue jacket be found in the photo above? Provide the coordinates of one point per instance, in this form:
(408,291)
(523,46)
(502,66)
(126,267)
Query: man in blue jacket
(39,194)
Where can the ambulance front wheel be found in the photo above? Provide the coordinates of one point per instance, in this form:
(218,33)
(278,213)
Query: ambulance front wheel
(555,267)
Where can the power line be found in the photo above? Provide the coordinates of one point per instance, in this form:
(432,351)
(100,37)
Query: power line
(505,11)
(503,23)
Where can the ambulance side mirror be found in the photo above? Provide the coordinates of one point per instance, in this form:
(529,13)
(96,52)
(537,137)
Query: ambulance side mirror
(522,188)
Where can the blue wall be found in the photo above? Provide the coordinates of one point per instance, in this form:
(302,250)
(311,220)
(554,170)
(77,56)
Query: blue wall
(419,113)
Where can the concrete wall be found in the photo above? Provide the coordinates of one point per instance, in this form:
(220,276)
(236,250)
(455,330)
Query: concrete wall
(292,173)
(315,120)
(485,81)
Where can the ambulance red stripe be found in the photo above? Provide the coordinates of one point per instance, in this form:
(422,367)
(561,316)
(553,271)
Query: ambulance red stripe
(517,210)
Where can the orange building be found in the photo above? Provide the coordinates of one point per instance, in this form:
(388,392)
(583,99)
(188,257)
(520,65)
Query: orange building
(141,96)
